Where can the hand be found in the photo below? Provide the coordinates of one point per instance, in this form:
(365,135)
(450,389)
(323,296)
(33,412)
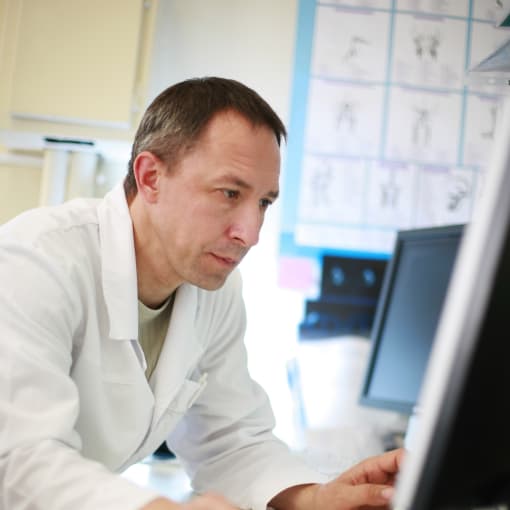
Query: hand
(367,485)
(209,502)
(205,502)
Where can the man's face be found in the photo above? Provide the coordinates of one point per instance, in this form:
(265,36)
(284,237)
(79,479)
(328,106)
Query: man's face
(211,206)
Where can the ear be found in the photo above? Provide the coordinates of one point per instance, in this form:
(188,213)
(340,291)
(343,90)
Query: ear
(147,170)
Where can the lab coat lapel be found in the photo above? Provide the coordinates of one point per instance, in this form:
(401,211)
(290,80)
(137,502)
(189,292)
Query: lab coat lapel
(181,348)
(118,271)
(180,352)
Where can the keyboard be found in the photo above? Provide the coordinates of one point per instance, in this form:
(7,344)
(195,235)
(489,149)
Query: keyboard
(333,451)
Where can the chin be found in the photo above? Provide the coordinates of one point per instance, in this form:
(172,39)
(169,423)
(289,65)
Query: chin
(210,283)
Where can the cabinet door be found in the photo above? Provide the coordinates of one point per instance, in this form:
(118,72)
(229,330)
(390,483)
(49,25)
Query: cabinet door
(75,61)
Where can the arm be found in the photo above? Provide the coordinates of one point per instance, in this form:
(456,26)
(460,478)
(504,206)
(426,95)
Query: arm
(162,504)
(367,484)
(41,465)
(225,440)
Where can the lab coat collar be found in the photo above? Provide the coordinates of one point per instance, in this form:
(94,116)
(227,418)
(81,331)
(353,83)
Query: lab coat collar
(118,271)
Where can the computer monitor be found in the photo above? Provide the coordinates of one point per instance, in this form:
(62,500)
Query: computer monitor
(460,455)
(415,284)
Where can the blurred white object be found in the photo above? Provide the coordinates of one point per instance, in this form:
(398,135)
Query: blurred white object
(54,177)
(166,476)
(81,177)
(336,431)
(331,374)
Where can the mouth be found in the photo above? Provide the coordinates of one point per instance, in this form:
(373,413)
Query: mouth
(226,261)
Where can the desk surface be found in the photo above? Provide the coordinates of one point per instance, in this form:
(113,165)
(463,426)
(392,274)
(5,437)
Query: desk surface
(163,475)
(330,451)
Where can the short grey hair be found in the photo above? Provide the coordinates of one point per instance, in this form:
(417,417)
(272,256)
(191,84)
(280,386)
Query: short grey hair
(176,118)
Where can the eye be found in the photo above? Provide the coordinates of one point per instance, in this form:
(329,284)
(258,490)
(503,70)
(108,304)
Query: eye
(230,193)
(265,203)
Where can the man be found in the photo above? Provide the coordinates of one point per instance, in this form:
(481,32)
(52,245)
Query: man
(122,326)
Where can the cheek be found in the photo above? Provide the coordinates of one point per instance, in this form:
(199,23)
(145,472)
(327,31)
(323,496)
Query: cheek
(210,217)
(198,227)
(193,220)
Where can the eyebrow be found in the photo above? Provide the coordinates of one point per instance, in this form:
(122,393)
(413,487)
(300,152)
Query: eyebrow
(243,184)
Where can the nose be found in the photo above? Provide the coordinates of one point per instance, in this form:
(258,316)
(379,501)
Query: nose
(246,225)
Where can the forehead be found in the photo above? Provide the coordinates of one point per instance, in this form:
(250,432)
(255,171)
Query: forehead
(231,137)
(231,122)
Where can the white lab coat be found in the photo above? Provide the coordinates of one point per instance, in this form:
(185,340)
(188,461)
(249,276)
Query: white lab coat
(75,406)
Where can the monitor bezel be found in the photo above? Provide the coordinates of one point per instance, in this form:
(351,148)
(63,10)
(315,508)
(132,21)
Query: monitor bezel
(460,326)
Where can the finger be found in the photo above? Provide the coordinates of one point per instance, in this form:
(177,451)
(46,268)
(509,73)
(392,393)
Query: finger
(365,496)
(380,469)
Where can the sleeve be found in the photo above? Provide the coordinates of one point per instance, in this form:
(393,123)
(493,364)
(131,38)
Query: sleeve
(225,441)
(40,462)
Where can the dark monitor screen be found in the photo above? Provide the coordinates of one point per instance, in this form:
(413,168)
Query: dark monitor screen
(459,457)
(407,314)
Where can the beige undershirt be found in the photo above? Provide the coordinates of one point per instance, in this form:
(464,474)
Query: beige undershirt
(152,329)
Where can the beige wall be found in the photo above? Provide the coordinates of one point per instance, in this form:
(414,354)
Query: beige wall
(249,41)
(29,84)
(19,190)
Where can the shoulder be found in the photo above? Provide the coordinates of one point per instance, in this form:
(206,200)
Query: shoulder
(34,226)
(53,244)
(48,255)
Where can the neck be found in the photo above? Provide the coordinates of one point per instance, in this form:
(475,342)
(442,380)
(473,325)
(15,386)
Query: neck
(155,282)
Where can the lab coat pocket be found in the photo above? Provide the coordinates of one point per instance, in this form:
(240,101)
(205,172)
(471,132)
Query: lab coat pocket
(187,395)
(166,418)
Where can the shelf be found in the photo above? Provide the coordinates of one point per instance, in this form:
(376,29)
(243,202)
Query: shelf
(494,69)
(504,21)
(497,61)
(30,141)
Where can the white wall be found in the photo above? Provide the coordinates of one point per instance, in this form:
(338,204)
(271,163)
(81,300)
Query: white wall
(249,41)
(253,42)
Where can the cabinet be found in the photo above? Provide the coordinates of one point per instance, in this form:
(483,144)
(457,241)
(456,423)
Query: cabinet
(74,68)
